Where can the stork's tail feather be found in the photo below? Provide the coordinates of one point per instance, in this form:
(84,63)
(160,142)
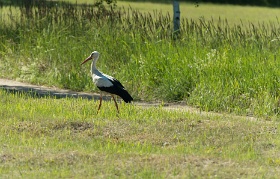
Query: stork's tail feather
(125,96)
(121,92)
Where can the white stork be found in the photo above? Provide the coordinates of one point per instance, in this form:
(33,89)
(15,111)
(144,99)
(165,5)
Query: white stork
(106,83)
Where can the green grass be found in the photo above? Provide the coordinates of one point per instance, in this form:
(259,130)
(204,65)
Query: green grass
(214,64)
(46,137)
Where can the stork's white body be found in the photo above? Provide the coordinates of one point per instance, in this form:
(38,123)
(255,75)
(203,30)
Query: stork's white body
(101,80)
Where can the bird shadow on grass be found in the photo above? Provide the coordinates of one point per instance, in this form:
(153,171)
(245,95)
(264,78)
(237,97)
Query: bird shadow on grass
(43,92)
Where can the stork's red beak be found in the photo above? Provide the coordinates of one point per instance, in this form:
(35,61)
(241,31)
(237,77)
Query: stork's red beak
(87,59)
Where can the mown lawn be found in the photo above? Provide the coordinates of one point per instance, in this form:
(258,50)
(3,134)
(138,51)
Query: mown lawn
(46,137)
(233,14)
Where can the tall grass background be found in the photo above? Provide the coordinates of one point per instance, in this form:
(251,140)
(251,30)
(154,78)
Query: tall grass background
(211,65)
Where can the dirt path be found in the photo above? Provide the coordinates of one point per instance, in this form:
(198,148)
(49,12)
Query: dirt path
(42,91)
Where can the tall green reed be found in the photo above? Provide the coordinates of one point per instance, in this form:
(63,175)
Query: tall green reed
(213,65)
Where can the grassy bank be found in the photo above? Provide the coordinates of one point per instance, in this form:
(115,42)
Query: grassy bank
(212,65)
(46,137)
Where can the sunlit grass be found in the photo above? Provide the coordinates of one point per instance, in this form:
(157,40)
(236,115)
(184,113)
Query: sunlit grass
(213,66)
(50,137)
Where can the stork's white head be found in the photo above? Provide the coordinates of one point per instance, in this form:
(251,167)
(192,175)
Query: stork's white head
(94,55)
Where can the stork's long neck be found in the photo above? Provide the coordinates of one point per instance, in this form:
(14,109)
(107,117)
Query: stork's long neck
(93,68)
